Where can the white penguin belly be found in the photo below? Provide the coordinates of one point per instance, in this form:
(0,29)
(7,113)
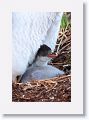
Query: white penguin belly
(29,31)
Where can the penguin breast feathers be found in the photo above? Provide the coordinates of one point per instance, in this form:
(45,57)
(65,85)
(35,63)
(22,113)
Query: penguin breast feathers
(29,31)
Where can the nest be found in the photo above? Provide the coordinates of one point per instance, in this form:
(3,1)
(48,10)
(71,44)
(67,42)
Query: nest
(57,89)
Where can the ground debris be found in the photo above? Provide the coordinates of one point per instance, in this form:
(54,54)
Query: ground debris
(57,89)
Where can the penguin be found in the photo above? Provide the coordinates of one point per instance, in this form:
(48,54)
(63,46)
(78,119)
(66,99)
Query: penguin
(40,69)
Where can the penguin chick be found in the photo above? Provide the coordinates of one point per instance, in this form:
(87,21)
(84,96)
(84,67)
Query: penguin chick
(40,69)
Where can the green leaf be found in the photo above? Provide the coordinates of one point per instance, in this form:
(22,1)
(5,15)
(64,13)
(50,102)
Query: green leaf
(64,22)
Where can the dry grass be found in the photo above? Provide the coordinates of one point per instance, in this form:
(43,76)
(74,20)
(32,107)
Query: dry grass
(57,89)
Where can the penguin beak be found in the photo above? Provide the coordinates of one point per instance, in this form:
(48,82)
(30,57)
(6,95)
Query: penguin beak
(53,55)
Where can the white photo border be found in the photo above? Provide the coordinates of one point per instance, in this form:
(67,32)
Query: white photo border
(76,104)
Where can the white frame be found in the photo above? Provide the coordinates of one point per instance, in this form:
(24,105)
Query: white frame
(76,104)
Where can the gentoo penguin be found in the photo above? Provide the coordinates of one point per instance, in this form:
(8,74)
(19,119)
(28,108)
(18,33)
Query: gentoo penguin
(29,31)
(40,68)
